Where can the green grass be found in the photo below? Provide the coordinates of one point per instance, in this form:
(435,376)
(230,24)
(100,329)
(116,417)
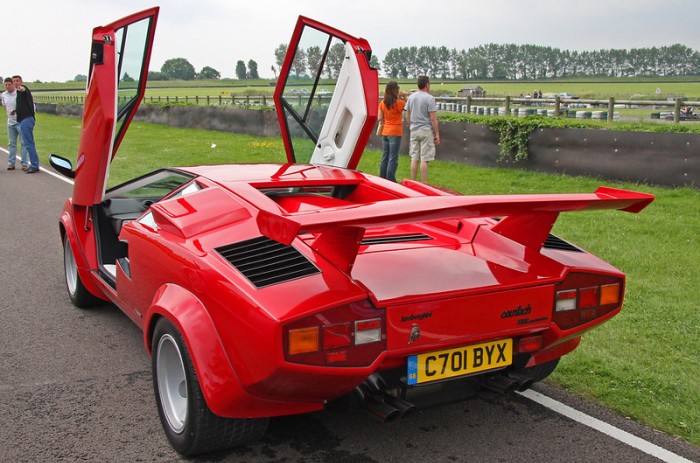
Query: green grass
(644,363)
(587,88)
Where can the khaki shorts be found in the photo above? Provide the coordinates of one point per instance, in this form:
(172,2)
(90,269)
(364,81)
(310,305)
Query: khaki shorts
(422,146)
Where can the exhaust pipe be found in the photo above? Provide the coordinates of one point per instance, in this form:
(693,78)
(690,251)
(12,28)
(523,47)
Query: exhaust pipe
(373,397)
(501,384)
(405,408)
(524,382)
(382,410)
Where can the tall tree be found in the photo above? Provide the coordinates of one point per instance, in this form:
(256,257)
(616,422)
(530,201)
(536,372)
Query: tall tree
(299,63)
(253,70)
(178,69)
(241,73)
(335,59)
(313,59)
(280,53)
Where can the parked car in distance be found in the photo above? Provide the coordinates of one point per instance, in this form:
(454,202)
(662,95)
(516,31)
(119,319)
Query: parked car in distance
(275,289)
(567,96)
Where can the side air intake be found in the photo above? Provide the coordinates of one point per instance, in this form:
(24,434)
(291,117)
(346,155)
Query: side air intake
(266,262)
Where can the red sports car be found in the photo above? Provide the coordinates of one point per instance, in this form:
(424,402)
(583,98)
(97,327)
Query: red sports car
(266,290)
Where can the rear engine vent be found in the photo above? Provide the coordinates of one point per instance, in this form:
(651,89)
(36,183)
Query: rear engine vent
(395,239)
(559,244)
(266,262)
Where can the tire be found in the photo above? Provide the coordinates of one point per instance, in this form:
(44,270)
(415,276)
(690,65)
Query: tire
(191,427)
(79,295)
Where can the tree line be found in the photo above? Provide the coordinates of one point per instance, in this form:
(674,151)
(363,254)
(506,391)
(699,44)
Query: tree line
(517,62)
(307,60)
(182,69)
(485,62)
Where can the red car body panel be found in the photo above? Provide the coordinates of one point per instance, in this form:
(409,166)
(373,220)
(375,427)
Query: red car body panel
(413,268)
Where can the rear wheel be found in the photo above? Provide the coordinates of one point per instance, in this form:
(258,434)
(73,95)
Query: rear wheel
(79,295)
(192,428)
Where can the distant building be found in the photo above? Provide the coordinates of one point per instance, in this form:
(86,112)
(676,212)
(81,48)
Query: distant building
(471,91)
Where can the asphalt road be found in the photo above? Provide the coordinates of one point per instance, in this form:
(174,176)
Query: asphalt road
(76,384)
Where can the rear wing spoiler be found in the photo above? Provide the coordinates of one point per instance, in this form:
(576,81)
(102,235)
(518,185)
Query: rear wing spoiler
(527,219)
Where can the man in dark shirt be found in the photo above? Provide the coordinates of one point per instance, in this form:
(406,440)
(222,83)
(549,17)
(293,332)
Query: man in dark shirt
(26,121)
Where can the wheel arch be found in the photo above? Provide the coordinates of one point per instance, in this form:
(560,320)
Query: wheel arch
(66,226)
(217,378)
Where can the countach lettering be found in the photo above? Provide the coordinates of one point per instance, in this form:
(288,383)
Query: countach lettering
(519,312)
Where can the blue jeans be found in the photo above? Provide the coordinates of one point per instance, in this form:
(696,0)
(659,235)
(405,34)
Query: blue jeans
(390,157)
(26,128)
(12,134)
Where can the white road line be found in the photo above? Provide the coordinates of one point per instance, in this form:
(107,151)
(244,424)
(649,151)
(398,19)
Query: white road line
(608,429)
(60,177)
(612,431)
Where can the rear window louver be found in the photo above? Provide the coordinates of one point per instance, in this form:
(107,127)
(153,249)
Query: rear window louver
(554,242)
(266,262)
(395,239)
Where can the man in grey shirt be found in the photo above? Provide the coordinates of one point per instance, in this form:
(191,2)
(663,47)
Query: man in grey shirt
(421,117)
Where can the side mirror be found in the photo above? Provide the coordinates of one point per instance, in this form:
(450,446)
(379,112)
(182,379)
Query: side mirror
(62,165)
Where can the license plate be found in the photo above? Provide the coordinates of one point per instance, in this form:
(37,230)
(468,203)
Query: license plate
(450,363)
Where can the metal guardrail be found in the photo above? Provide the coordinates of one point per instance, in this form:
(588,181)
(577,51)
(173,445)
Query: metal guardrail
(558,105)
(460,104)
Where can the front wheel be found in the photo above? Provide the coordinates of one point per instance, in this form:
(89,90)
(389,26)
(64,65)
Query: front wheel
(79,295)
(192,428)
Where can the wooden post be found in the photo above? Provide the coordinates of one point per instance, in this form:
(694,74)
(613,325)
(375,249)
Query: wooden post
(469,104)
(557,105)
(611,109)
(507,106)
(677,111)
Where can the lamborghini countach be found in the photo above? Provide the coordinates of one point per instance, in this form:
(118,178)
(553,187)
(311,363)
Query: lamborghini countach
(274,289)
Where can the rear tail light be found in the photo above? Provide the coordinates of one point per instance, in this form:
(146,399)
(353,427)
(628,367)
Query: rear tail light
(367,331)
(583,297)
(530,343)
(349,335)
(303,340)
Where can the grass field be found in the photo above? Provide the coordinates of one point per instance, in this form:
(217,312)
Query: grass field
(230,91)
(643,364)
(590,88)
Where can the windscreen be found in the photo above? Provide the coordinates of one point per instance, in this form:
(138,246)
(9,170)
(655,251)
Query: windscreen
(130,42)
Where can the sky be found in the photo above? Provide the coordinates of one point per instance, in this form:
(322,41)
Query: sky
(49,40)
